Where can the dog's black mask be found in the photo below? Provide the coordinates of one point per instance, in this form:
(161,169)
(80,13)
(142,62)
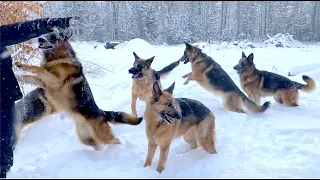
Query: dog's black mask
(184,58)
(136,72)
(169,117)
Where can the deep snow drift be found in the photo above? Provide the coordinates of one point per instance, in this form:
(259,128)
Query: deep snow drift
(283,142)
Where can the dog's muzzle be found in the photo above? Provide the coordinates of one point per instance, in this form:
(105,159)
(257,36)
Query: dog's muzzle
(239,70)
(184,59)
(169,117)
(44,43)
(235,67)
(136,72)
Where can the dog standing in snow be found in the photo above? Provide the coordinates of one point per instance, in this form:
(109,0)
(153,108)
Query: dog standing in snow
(259,84)
(143,77)
(168,118)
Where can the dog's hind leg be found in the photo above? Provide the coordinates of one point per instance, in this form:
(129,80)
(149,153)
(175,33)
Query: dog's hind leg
(232,102)
(85,135)
(190,138)
(278,97)
(206,134)
(103,132)
(290,97)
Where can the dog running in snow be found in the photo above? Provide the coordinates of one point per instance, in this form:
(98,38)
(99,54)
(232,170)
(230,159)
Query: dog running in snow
(210,75)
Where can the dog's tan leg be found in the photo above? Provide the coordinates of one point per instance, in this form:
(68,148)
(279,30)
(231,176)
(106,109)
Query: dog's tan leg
(290,97)
(164,151)
(186,75)
(84,133)
(151,151)
(33,80)
(18,129)
(134,104)
(43,74)
(190,138)
(189,78)
(206,134)
(232,102)
(103,132)
(278,97)
(256,99)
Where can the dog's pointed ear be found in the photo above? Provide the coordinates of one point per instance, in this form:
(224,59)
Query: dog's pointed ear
(156,92)
(149,61)
(171,88)
(243,55)
(135,56)
(188,46)
(250,58)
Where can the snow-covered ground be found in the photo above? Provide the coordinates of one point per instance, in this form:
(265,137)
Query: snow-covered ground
(283,142)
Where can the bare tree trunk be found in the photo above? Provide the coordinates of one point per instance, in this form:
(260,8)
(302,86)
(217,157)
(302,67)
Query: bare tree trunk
(238,18)
(313,20)
(223,16)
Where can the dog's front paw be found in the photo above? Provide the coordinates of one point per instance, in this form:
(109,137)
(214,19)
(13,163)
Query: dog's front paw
(147,163)
(185,76)
(160,168)
(116,141)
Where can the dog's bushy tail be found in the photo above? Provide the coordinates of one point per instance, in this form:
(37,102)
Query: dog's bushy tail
(116,117)
(166,70)
(309,87)
(252,106)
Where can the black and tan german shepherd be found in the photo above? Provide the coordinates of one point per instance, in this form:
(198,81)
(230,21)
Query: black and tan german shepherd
(143,77)
(168,118)
(257,83)
(210,75)
(67,90)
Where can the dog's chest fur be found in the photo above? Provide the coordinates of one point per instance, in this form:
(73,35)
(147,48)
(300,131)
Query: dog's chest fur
(142,88)
(69,75)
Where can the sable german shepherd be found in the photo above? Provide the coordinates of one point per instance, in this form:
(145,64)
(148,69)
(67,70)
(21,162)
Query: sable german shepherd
(168,118)
(143,77)
(66,88)
(259,84)
(210,75)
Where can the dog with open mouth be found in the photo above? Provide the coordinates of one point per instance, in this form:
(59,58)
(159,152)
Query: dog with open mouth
(67,90)
(143,77)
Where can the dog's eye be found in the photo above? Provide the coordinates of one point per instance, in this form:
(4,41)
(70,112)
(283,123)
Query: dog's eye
(170,104)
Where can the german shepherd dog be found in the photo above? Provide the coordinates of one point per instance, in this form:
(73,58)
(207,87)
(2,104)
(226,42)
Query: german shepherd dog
(66,88)
(259,84)
(168,118)
(143,77)
(31,108)
(210,75)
